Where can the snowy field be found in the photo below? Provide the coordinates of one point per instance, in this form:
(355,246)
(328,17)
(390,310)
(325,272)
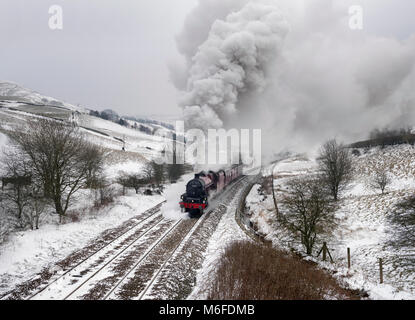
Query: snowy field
(363,221)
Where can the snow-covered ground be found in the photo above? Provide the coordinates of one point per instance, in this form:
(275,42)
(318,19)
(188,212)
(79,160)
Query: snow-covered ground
(363,220)
(3,140)
(27,253)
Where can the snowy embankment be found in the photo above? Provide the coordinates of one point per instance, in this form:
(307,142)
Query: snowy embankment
(259,210)
(363,224)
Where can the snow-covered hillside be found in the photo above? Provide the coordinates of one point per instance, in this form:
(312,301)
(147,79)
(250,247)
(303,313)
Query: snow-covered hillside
(363,216)
(19,105)
(14,93)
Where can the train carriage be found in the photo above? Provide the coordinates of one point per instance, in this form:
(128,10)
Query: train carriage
(203,186)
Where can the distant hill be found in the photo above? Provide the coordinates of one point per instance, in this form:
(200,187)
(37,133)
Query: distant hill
(142,139)
(16,94)
(385,141)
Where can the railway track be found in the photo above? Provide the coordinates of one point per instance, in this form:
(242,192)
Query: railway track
(112,294)
(81,291)
(129,266)
(137,279)
(219,210)
(177,249)
(100,254)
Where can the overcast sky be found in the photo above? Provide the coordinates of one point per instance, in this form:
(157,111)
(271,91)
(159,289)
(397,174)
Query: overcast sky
(115,54)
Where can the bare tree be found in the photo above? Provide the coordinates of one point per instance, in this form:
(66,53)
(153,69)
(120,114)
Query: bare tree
(23,194)
(38,205)
(17,193)
(380,180)
(306,211)
(148,172)
(154,173)
(176,169)
(104,192)
(60,157)
(159,173)
(335,164)
(133,181)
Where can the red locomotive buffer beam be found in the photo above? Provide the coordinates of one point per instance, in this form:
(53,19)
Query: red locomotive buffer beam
(193,205)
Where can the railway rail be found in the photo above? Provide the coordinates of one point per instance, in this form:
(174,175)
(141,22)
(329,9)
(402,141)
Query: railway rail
(109,251)
(133,263)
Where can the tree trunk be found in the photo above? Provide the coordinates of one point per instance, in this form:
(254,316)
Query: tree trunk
(58,208)
(37,221)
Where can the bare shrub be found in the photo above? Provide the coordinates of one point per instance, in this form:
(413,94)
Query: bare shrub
(19,190)
(401,226)
(74,216)
(403,223)
(356,153)
(155,173)
(307,211)
(380,180)
(250,271)
(104,196)
(336,166)
(38,206)
(175,171)
(5,223)
(132,181)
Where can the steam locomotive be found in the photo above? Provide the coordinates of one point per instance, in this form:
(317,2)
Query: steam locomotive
(204,186)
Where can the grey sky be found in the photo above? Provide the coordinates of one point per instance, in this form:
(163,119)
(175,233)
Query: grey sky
(115,54)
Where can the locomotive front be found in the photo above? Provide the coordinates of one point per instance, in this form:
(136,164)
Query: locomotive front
(195,200)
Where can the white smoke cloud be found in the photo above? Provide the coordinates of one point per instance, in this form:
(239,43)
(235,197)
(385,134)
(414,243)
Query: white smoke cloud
(231,61)
(297,71)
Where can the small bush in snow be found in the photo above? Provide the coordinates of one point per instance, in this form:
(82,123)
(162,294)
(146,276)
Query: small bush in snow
(380,180)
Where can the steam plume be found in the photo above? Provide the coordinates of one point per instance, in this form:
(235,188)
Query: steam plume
(231,61)
(298,72)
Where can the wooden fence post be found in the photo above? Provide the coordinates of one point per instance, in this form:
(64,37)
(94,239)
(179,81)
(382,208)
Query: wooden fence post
(324,251)
(348,258)
(381,270)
